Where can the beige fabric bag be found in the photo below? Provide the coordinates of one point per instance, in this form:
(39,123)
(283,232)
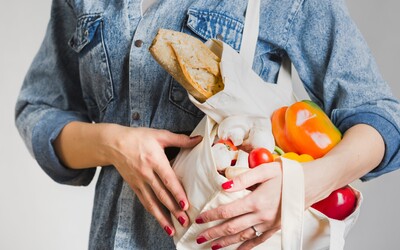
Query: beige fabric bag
(245,93)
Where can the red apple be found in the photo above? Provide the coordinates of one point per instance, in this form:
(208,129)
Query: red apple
(339,204)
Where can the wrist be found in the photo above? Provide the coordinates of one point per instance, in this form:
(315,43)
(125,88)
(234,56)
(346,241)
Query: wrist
(107,143)
(319,180)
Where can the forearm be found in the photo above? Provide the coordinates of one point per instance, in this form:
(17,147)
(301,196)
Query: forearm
(360,151)
(83,145)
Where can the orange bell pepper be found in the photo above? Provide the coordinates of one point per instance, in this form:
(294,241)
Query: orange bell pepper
(304,128)
(279,130)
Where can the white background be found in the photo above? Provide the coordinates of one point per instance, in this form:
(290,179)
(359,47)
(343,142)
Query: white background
(36,213)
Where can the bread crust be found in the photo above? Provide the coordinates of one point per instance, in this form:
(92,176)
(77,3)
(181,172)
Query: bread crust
(189,61)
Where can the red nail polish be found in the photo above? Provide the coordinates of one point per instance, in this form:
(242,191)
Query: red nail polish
(227,185)
(216,246)
(168,230)
(199,220)
(201,240)
(182,204)
(181,220)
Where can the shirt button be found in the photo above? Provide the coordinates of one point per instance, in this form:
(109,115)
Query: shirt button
(138,43)
(135,116)
(220,37)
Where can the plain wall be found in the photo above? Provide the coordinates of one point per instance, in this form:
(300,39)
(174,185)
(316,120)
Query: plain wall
(37,213)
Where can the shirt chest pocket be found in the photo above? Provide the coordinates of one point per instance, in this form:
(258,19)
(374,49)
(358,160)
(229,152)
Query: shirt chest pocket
(95,76)
(205,24)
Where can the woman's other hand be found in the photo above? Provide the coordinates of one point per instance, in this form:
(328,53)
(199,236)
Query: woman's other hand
(138,155)
(260,208)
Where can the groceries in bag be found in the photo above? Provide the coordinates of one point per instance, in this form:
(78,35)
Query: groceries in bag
(301,129)
(231,99)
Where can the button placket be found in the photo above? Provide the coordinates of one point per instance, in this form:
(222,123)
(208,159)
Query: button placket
(138,89)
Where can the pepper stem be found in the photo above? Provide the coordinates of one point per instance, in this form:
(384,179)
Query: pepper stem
(278,150)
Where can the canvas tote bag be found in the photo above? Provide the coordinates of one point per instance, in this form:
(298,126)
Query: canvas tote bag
(245,93)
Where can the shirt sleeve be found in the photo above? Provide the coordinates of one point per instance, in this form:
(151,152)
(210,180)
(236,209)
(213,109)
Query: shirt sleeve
(51,97)
(341,75)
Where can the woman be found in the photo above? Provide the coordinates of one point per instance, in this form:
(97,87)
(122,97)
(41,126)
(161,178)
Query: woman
(95,97)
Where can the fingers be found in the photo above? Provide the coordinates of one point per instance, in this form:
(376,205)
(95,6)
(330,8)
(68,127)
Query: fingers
(248,236)
(166,198)
(227,211)
(164,185)
(260,207)
(169,139)
(171,182)
(256,175)
(250,244)
(163,167)
(154,207)
(231,230)
(239,232)
(263,200)
(141,161)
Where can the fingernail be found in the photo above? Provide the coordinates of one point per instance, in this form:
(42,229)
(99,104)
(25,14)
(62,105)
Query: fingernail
(195,137)
(201,240)
(199,220)
(216,246)
(181,220)
(168,230)
(182,204)
(227,185)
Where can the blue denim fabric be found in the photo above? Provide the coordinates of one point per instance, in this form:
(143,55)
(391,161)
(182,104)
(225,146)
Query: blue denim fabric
(89,69)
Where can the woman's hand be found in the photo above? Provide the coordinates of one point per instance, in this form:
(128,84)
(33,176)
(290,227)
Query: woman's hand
(138,155)
(260,208)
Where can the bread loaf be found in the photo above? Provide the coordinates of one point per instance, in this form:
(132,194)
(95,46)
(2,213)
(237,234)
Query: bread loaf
(189,61)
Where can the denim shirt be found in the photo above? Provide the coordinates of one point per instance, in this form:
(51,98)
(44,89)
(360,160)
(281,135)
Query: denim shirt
(94,66)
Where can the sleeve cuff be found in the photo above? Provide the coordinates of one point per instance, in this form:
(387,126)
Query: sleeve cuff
(43,136)
(389,133)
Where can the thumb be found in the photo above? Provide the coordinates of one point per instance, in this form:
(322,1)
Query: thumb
(181,140)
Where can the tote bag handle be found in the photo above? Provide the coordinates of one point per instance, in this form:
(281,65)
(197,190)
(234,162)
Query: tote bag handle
(293,180)
(292,205)
(250,31)
(248,49)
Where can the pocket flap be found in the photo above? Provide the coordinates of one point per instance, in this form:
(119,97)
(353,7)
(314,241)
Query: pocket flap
(85,30)
(210,24)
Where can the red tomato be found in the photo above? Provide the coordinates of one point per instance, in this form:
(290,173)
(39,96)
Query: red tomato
(339,204)
(259,156)
(228,143)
